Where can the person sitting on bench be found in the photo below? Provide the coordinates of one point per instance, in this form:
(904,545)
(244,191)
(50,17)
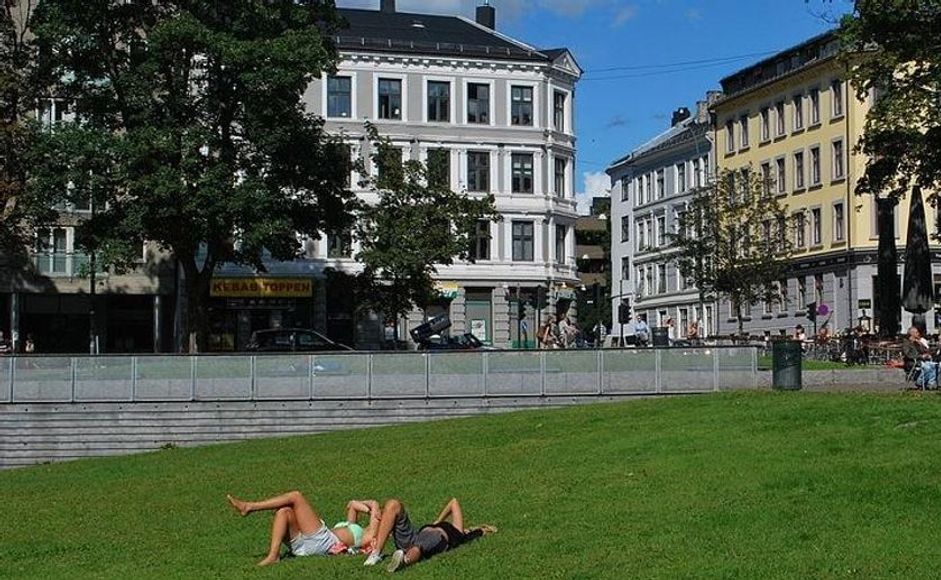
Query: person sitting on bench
(916,352)
(414,545)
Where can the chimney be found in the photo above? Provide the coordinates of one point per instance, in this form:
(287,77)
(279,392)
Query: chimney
(487,15)
(680,115)
(387,6)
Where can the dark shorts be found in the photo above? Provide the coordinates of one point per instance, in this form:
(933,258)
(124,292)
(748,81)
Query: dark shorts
(430,540)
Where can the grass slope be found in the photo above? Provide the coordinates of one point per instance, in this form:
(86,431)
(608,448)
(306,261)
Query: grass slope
(757,485)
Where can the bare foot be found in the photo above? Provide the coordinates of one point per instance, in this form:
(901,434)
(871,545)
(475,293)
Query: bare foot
(240,506)
(268,561)
(488,529)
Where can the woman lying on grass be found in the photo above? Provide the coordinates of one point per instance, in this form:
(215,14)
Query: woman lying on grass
(413,546)
(297,525)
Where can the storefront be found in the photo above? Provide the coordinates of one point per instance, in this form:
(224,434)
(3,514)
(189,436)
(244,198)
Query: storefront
(478,303)
(242,306)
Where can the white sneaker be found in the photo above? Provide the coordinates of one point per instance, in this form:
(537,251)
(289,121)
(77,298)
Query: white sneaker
(373,559)
(396,561)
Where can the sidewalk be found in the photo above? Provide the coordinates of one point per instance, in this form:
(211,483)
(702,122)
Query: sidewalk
(882,380)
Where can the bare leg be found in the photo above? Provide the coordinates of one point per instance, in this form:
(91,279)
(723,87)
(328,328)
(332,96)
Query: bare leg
(305,517)
(283,528)
(390,511)
(453,509)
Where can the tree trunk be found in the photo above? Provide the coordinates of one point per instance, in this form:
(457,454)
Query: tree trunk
(741,322)
(196,315)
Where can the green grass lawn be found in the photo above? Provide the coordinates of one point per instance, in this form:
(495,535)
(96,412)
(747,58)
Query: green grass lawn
(760,485)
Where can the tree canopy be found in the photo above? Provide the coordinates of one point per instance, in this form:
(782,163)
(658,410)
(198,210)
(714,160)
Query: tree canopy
(198,105)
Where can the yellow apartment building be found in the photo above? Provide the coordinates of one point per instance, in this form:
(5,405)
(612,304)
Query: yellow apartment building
(793,120)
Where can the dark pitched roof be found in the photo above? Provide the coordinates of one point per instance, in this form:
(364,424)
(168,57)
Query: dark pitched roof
(371,30)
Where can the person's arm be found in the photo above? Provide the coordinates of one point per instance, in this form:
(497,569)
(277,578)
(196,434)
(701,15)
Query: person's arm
(356,507)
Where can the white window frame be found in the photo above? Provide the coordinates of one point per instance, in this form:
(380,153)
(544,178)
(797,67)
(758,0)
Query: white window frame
(837,105)
(375,96)
(780,176)
(798,119)
(842,229)
(509,104)
(465,100)
(817,179)
(816,226)
(833,159)
(452,105)
(353,113)
(800,173)
(566,114)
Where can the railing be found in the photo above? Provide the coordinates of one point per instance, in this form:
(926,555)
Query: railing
(371,376)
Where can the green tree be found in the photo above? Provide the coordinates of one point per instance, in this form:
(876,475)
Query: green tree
(417,225)
(199,106)
(895,64)
(732,241)
(19,211)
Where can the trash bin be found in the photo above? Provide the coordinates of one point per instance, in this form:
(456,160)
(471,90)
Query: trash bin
(659,336)
(786,358)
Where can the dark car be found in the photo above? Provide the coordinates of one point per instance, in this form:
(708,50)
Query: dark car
(463,342)
(292,340)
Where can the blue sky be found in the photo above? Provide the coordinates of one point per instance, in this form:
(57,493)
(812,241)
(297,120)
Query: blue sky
(620,109)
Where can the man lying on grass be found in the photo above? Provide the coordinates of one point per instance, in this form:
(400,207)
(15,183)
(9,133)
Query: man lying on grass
(297,525)
(413,546)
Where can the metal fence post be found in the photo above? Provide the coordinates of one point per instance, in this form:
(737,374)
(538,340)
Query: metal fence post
(310,377)
(369,358)
(658,380)
(72,373)
(542,373)
(486,368)
(12,379)
(427,375)
(754,367)
(252,385)
(600,371)
(133,378)
(715,370)
(193,375)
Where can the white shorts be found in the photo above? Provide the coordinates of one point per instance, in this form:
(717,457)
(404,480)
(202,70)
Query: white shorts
(317,544)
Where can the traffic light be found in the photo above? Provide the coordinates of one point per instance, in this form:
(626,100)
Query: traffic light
(812,312)
(624,312)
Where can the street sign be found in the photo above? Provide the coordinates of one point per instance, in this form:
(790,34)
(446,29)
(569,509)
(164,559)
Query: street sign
(865,304)
(823,310)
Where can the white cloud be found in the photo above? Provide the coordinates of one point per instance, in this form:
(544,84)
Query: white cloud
(624,14)
(597,184)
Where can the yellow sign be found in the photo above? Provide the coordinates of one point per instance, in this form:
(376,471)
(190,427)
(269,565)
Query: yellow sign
(261,288)
(448,290)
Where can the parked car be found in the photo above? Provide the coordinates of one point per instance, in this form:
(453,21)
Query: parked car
(462,342)
(292,340)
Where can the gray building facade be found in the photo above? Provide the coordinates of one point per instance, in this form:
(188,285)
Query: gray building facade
(650,189)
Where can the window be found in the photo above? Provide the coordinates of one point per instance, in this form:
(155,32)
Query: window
(781,175)
(439,168)
(765,124)
(815,226)
(838,165)
(799,170)
(625,268)
(661,278)
(766,234)
(838,222)
(782,231)
(480,247)
(560,234)
(768,307)
(522,172)
(522,241)
(439,102)
(836,95)
(814,106)
(798,112)
(801,292)
(340,97)
(818,289)
(800,230)
(661,183)
(680,177)
(478,104)
(390,99)
(779,119)
(339,245)
(783,299)
(561,167)
(389,165)
(766,179)
(648,188)
(52,255)
(743,123)
(661,230)
(697,173)
(521,106)
(815,165)
(52,111)
(558,111)
(625,229)
(478,171)
(729,137)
